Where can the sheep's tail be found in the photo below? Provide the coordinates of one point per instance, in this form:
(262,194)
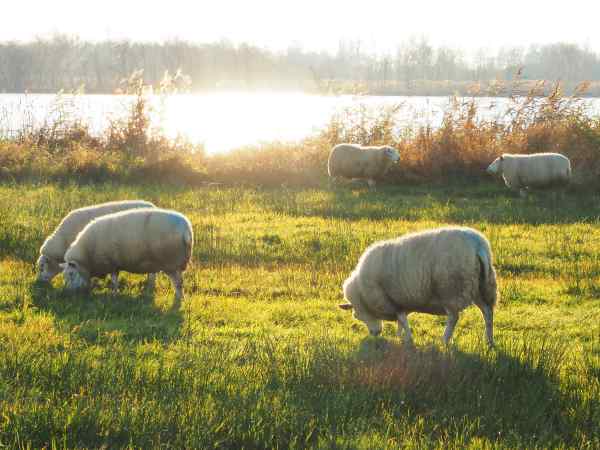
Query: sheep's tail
(487,277)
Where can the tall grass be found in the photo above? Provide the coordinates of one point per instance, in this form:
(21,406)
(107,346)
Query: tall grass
(63,146)
(463,146)
(465,143)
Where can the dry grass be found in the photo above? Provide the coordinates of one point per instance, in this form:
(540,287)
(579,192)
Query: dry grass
(397,366)
(464,144)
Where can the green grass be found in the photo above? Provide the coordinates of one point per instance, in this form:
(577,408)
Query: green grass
(259,356)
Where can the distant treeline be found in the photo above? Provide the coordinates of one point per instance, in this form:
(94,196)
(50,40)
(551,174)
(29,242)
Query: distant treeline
(416,67)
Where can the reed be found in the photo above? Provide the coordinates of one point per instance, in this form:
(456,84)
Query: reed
(466,142)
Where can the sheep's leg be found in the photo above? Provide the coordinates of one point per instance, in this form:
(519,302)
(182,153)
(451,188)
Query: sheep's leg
(114,280)
(403,324)
(151,281)
(488,316)
(522,193)
(371,182)
(450,324)
(177,280)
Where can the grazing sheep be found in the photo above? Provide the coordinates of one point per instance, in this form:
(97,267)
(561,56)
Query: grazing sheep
(439,271)
(356,161)
(54,247)
(539,170)
(138,241)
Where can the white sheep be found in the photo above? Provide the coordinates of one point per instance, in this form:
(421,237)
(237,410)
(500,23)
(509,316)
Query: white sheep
(53,249)
(356,161)
(439,271)
(538,170)
(138,241)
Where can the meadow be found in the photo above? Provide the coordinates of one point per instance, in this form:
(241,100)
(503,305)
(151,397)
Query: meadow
(258,355)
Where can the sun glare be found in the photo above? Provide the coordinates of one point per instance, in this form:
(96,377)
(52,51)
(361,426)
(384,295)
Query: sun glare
(232,120)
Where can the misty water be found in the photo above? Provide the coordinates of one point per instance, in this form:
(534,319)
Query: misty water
(224,121)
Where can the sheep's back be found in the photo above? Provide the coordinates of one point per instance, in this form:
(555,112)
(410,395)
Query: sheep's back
(351,161)
(538,170)
(140,241)
(73,223)
(423,272)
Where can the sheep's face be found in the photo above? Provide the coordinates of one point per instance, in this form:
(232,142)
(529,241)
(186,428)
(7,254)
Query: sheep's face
(495,167)
(47,268)
(75,276)
(392,154)
(359,312)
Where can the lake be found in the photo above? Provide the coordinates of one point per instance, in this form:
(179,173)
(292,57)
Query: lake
(223,121)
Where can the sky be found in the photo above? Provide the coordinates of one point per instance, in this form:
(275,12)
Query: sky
(311,24)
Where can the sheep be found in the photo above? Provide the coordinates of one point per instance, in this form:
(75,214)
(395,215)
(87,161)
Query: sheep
(439,271)
(538,170)
(356,161)
(54,247)
(145,240)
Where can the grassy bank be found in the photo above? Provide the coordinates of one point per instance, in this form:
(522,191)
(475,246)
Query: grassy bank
(134,148)
(259,356)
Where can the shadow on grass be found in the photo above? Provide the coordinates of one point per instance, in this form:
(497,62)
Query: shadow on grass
(95,316)
(511,394)
(455,202)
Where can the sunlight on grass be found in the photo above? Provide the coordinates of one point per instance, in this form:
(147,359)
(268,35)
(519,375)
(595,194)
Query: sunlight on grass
(259,356)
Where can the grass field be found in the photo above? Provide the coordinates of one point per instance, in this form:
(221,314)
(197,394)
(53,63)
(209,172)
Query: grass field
(259,355)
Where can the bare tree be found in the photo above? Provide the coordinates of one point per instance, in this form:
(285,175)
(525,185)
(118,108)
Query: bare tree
(64,62)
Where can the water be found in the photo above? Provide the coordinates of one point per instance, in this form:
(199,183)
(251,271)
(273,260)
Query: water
(223,121)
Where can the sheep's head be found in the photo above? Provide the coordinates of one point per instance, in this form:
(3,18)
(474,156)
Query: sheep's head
(496,166)
(354,299)
(392,154)
(47,268)
(76,277)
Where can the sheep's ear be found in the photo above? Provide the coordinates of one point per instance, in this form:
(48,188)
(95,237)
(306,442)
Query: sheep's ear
(345,305)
